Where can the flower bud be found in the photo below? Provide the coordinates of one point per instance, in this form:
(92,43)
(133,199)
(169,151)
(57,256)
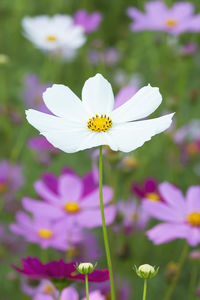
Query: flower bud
(85,268)
(146,271)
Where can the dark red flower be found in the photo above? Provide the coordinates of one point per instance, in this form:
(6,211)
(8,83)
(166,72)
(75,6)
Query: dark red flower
(33,268)
(149,190)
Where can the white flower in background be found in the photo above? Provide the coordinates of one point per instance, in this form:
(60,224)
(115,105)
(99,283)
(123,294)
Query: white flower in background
(79,125)
(57,34)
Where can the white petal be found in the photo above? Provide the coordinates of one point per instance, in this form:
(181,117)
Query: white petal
(142,104)
(129,136)
(64,103)
(97,95)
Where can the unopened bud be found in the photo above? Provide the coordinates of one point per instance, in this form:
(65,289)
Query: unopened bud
(85,268)
(146,271)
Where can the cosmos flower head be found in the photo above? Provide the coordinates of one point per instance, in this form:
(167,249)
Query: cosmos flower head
(158,16)
(59,235)
(89,22)
(33,90)
(149,190)
(68,197)
(11,179)
(57,34)
(79,125)
(33,268)
(134,218)
(180,215)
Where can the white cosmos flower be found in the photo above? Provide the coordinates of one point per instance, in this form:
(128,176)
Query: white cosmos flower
(56,34)
(77,125)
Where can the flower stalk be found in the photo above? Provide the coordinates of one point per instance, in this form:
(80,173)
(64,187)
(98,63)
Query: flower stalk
(105,234)
(86,286)
(145,290)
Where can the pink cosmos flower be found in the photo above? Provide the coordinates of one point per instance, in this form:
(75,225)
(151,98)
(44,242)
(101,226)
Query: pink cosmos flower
(33,91)
(96,295)
(149,190)
(57,270)
(89,22)
(125,94)
(70,200)
(134,218)
(158,17)
(180,216)
(11,179)
(59,235)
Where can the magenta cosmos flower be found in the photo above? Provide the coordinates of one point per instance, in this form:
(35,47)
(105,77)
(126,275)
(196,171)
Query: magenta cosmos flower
(11,179)
(158,17)
(33,268)
(149,190)
(181,216)
(59,235)
(70,200)
(89,22)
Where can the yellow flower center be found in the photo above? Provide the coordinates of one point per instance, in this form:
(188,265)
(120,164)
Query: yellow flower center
(45,233)
(48,289)
(72,207)
(51,38)
(99,123)
(171,23)
(194,218)
(3,187)
(192,148)
(135,217)
(152,196)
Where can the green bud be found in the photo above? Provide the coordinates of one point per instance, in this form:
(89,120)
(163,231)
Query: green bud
(85,268)
(146,271)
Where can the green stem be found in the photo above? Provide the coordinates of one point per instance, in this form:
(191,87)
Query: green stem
(145,290)
(86,286)
(105,234)
(170,290)
(192,282)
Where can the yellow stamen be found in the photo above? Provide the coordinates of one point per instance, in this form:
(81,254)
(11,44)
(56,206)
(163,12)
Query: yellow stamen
(152,196)
(194,218)
(192,148)
(45,233)
(135,217)
(171,23)
(3,187)
(48,289)
(99,123)
(72,207)
(51,38)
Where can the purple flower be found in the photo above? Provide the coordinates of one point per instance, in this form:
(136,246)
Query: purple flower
(33,268)
(109,56)
(33,93)
(11,179)
(133,215)
(89,22)
(149,190)
(158,17)
(188,49)
(43,148)
(59,235)
(95,295)
(125,94)
(181,216)
(68,197)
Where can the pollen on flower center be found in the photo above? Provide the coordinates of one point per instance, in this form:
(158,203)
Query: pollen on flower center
(51,38)
(48,289)
(171,23)
(2,187)
(194,219)
(152,196)
(99,123)
(72,207)
(45,233)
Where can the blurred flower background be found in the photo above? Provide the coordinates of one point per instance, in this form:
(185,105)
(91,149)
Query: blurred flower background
(49,201)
